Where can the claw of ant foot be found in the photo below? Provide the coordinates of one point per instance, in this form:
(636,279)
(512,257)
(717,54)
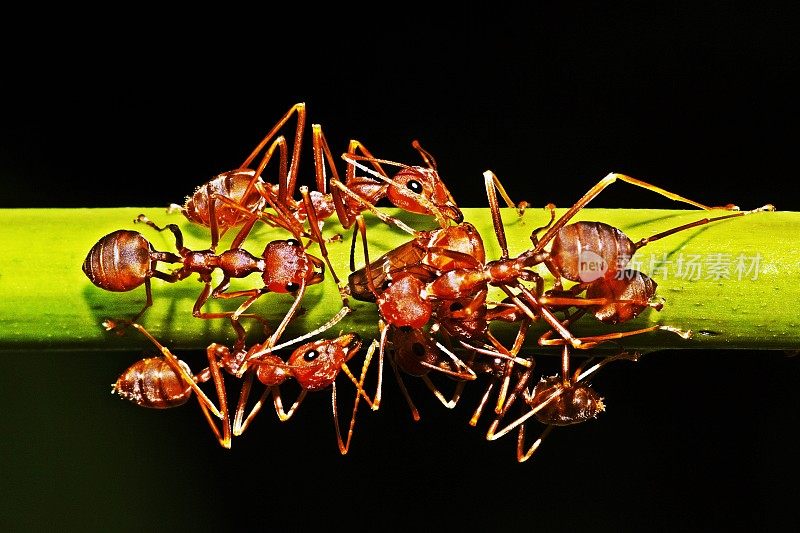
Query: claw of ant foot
(117,326)
(657,302)
(174,208)
(683,333)
(141,219)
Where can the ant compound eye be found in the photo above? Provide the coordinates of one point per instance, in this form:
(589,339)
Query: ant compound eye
(418,350)
(293,242)
(455,307)
(310,355)
(292,286)
(414,186)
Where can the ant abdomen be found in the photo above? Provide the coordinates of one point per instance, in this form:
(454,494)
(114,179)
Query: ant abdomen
(585,251)
(576,402)
(119,262)
(232,185)
(628,293)
(153,383)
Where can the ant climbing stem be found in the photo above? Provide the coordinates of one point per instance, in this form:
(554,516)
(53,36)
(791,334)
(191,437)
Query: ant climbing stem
(571,243)
(239,186)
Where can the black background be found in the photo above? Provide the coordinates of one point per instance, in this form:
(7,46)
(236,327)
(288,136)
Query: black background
(699,100)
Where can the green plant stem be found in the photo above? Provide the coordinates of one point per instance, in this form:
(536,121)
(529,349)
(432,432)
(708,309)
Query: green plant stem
(747,272)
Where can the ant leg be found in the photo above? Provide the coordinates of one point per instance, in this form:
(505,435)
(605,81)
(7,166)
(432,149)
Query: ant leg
(223,438)
(371,207)
(404,390)
(466,374)
(657,236)
(300,110)
(346,211)
(520,207)
(509,367)
(346,370)
(493,434)
(256,409)
(314,227)
(524,456)
(254,182)
(476,415)
(535,232)
(147,304)
(238,424)
(451,403)
(543,311)
(173,228)
(283,416)
(344,447)
(376,400)
(597,189)
(592,341)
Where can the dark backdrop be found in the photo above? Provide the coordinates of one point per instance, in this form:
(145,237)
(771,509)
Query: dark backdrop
(698,100)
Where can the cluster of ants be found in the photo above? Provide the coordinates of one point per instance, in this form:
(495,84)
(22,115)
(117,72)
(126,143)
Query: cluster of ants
(431,293)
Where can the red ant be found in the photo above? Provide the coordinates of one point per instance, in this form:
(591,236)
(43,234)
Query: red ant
(604,241)
(165,382)
(468,320)
(241,195)
(555,401)
(314,366)
(124,260)
(239,185)
(395,282)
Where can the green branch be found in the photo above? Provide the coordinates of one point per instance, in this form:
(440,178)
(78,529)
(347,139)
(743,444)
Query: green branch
(733,282)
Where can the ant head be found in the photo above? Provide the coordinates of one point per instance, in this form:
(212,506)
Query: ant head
(287,267)
(316,364)
(414,350)
(563,404)
(464,318)
(401,304)
(421,190)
